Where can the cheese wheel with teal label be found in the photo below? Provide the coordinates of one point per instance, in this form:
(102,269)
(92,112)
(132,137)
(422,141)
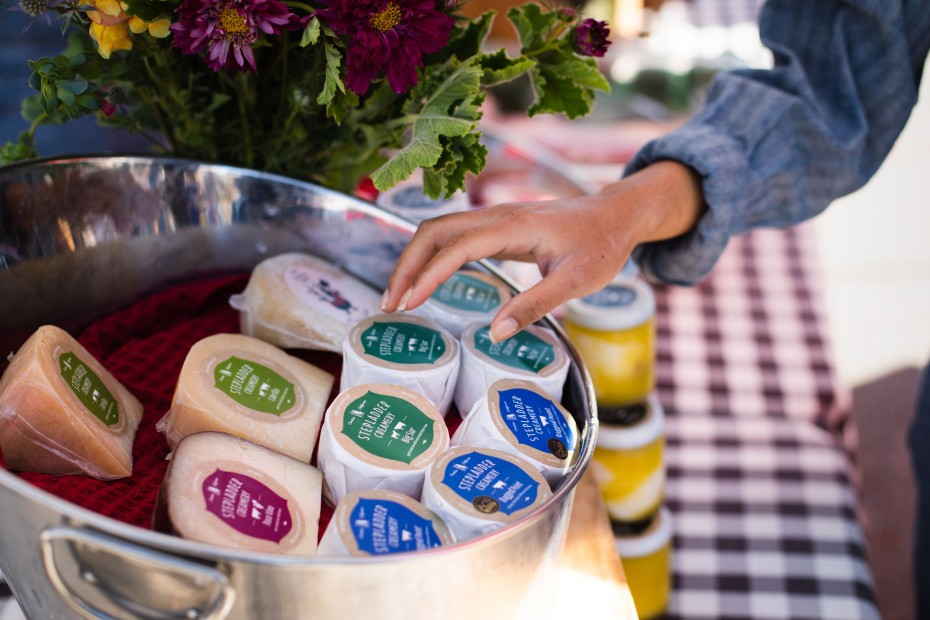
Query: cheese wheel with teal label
(479,490)
(380,522)
(519,418)
(535,353)
(404,350)
(379,436)
(467,297)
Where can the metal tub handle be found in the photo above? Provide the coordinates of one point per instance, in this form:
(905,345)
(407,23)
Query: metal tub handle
(101,577)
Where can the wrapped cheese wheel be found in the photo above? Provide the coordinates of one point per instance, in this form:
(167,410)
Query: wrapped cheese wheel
(478,490)
(411,201)
(518,418)
(534,354)
(465,298)
(300,301)
(379,436)
(381,522)
(62,412)
(230,492)
(403,350)
(248,388)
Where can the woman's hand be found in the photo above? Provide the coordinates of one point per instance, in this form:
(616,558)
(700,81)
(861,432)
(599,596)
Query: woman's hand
(579,244)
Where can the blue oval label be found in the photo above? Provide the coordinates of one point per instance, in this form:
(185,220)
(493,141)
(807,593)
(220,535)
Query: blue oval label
(381,527)
(612,296)
(536,421)
(490,484)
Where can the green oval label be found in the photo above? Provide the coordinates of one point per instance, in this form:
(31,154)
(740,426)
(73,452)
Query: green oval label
(89,389)
(254,386)
(388,426)
(465,292)
(523,350)
(403,343)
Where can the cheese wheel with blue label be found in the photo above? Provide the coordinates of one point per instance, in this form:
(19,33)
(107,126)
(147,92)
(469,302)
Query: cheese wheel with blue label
(382,522)
(379,436)
(230,492)
(477,491)
(404,350)
(62,412)
(248,388)
(519,418)
(534,354)
(466,298)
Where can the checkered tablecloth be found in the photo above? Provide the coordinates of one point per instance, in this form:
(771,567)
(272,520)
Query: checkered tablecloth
(759,454)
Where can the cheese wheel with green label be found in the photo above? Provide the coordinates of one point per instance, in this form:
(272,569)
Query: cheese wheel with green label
(382,522)
(404,350)
(478,490)
(519,418)
(467,297)
(248,388)
(227,491)
(379,436)
(534,354)
(62,412)
(303,302)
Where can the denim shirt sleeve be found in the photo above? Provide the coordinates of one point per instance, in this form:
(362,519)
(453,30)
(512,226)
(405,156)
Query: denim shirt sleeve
(774,147)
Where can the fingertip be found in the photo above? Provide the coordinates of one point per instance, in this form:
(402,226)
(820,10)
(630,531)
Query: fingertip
(385,298)
(502,329)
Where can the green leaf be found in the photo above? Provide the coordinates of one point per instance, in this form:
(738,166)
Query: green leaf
(311,33)
(150,10)
(341,105)
(450,110)
(533,25)
(23,148)
(66,96)
(72,86)
(332,81)
(461,155)
(498,67)
(219,99)
(465,42)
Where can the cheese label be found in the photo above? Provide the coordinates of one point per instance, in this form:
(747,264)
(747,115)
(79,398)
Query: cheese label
(388,426)
(524,351)
(467,293)
(490,484)
(254,386)
(413,197)
(403,343)
(329,294)
(381,527)
(612,296)
(536,422)
(88,388)
(247,505)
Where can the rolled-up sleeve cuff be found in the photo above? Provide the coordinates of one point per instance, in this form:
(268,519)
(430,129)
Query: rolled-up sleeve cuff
(726,180)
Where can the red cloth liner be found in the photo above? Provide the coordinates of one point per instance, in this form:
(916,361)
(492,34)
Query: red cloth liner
(144,346)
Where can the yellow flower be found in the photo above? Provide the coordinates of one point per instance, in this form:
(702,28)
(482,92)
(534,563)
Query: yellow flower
(110,26)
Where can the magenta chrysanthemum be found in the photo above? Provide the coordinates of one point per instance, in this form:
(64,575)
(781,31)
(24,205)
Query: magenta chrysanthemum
(389,36)
(590,38)
(228,28)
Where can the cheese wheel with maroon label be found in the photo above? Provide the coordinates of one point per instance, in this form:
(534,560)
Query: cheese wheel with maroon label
(230,492)
(248,388)
(62,412)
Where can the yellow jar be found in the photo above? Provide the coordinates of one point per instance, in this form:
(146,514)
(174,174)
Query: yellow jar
(628,461)
(645,552)
(614,331)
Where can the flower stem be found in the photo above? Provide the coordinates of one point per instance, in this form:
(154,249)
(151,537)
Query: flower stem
(300,5)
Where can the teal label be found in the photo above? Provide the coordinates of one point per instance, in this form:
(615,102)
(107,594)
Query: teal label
(536,422)
(254,386)
(612,296)
(465,292)
(403,343)
(388,426)
(381,527)
(523,351)
(88,388)
(490,484)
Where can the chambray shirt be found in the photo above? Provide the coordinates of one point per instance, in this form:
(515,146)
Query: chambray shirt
(775,147)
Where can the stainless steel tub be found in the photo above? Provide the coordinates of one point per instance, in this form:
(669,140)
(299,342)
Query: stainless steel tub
(80,236)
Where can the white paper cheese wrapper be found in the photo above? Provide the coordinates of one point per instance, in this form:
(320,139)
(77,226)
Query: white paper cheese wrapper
(519,418)
(371,530)
(348,467)
(466,298)
(478,491)
(435,380)
(535,354)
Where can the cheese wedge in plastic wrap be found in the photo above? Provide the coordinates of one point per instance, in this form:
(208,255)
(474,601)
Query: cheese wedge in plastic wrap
(302,302)
(248,388)
(227,491)
(62,412)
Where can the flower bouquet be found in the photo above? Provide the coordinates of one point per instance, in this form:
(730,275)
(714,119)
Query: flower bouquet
(330,91)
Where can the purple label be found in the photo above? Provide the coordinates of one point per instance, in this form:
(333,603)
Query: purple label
(247,505)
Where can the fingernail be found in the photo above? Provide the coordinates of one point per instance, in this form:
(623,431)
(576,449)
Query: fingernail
(503,330)
(384,300)
(403,300)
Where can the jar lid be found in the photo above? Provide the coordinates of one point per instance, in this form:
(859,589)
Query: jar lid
(630,426)
(625,303)
(637,542)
